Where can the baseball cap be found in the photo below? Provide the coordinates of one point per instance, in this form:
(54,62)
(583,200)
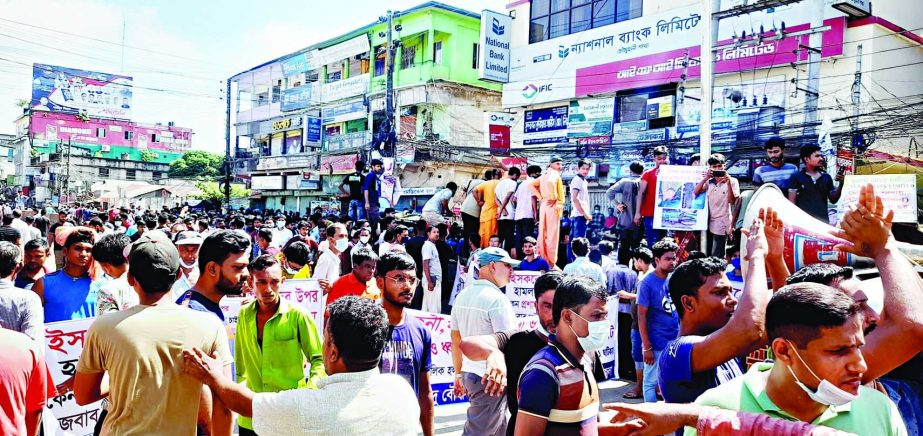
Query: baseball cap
(188,237)
(494,254)
(556,159)
(153,253)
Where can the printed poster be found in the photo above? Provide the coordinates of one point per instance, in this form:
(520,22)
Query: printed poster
(898,192)
(442,372)
(676,207)
(64,342)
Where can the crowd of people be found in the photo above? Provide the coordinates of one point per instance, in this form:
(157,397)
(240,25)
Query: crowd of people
(714,343)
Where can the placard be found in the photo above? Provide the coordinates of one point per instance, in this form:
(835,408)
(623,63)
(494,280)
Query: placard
(676,206)
(442,372)
(898,192)
(64,342)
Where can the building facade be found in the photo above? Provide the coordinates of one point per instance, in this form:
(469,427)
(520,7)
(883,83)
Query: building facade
(300,123)
(611,79)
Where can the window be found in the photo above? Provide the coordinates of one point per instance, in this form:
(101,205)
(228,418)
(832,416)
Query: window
(129,135)
(154,137)
(130,175)
(157,175)
(380,54)
(633,108)
(437,53)
(100,132)
(475,50)
(277,91)
(104,172)
(408,54)
(334,76)
(556,18)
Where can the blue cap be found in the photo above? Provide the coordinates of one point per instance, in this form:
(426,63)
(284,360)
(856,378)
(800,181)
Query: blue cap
(490,255)
(555,159)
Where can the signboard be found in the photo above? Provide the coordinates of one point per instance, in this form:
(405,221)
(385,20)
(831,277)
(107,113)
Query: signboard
(542,126)
(325,206)
(404,153)
(343,164)
(675,206)
(282,162)
(735,98)
(298,97)
(57,127)
(496,36)
(350,110)
(295,65)
(634,137)
(430,190)
(345,88)
(569,170)
(286,124)
(660,107)
(73,91)
(266,182)
(64,342)
(315,127)
(442,373)
(337,53)
(590,117)
(556,87)
(497,133)
(347,141)
(898,192)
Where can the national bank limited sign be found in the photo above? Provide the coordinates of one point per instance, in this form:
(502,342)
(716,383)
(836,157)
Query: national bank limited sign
(494,62)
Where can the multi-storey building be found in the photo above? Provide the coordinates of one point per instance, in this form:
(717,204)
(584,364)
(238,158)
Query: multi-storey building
(302,121)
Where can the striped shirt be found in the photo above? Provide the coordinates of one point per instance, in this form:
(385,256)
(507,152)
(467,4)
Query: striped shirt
(776,176)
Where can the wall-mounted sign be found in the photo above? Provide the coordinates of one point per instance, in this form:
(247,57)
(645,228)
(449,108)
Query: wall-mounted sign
(286,124)
(590,117)
(350,110)
(266,182)
(497,131)
(660,107)
(496,36)
(543,126)
(297,98)
(345,88)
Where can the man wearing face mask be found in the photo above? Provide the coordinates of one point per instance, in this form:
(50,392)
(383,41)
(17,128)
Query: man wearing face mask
(187,243)
(481,309)
(816,336)
(557,391)
(223,260)
(328,265)
(355,399)
(294,261)
(280,234)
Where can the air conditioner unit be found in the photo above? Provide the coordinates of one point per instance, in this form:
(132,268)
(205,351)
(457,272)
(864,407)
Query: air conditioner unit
(104,148)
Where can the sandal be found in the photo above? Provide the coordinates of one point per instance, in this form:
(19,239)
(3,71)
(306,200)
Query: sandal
(631,395)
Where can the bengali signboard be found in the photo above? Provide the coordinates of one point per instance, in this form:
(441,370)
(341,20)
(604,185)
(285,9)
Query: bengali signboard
(345,88)
(442,373)
(347,141)
(543,126)
(73,91)
(295,65)
(590,117)
(349,110)
(266,182)
(496,36)
(676,206)
(64,341)
(298,97)
(343,164)
(314,131)
(898,192)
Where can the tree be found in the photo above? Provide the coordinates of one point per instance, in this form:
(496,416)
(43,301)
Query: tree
(212,191)
(197,163)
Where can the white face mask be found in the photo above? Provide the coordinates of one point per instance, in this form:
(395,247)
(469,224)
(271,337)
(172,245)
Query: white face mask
(827,393)
(280,224)
(598,334)
(288,269)
(364,239)
(187,265)
(342,244)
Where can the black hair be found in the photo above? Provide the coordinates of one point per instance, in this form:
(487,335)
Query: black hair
(514,171)
(807,151)
(695,157)
(17,213)
(662,247)
(7,219)
(360,165)
(96,222)
(583,162)
(297,252)
(9,234)
(606,247)
(595,256)
(36,244)
(529,240)
(111,249)
(332,229)
(798,312)
(533,169)
(358,327)
(263,262)
(10,257)
(660,150)
(264,233)
(489,174)
(394,261)
(549,281)
(716,158)
(690,275)
(823,273)
(573,292)
(421,225)
(644,254)
(580,246)
(695,254)
(774,142)
(29,219)
(473,238)
(80,235)
(452,186)
(363,254)
(219,245)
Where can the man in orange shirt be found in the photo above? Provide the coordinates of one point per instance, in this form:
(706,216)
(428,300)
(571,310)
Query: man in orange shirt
(485,195)
(360,282)
(549,189)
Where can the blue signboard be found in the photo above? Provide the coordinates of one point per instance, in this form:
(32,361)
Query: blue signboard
(297,98)
(543,126)
(314,130)
(350,110)
(294,65)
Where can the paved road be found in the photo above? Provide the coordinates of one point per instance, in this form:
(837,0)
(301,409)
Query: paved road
(451,419)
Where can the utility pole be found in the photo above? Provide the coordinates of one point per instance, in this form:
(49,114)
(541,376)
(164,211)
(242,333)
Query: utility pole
(857,141)
(123,46)
(706,63)
(67,168)
(812,93)
(386,136)
(228,161)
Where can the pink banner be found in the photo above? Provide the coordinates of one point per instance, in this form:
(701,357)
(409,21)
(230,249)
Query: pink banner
(54,127)
(667,67)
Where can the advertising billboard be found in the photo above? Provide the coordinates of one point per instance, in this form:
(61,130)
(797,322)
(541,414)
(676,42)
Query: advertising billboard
(543,126)
(590,117)
(496,36)
(73,91)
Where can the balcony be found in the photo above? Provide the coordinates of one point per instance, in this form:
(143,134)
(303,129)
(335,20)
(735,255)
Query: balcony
(347,141)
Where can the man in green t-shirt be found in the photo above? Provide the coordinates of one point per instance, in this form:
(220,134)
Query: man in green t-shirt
(816,336)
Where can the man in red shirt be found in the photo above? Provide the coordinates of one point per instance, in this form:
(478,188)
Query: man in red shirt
(360,281)
(25,384)
(647,194)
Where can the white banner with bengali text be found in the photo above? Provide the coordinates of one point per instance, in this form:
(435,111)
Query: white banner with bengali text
(898,192)
(64,342)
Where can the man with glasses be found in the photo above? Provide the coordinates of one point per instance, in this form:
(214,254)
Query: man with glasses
(482,309)
(407,352)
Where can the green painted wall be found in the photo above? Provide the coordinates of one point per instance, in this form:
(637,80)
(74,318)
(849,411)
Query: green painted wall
(115,152)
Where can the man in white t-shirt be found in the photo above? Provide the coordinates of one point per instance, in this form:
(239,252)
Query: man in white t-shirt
(526,206)
(506,212)
(437,207)
(327,269)
(432,272)
(580,200)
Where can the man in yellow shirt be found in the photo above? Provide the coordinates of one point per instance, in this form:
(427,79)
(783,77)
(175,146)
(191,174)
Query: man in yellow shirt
(485,195)
(549,189)
(294,261)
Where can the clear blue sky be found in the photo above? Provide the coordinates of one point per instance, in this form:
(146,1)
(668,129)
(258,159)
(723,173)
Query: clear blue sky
(186,48)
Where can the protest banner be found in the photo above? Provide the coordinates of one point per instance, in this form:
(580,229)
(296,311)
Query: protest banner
(442,372)
(846,162)
(898,192)
(64,342)
(676,207)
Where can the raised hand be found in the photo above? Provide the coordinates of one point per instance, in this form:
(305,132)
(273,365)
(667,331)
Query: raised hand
(866,226)
(775,232)
(757,243)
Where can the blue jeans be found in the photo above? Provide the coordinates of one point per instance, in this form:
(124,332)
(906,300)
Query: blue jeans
(578,228)
(651,235)
(357,210)
(651,375)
